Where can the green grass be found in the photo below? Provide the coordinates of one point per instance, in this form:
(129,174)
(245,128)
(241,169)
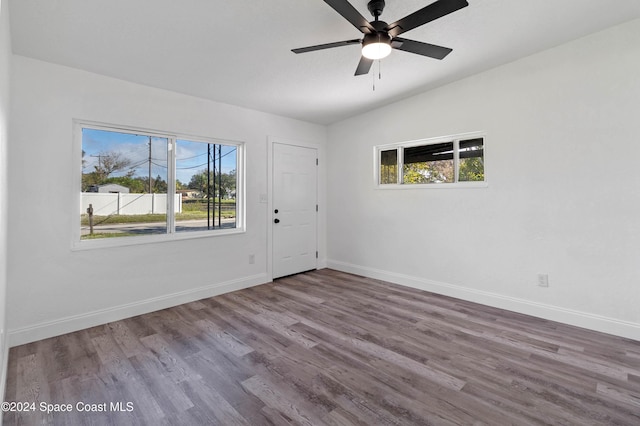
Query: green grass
(137,218)
(149,218)
(201,205)
(197,214)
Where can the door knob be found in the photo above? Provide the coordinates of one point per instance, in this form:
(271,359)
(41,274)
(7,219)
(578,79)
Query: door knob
(276,220)
(276,211)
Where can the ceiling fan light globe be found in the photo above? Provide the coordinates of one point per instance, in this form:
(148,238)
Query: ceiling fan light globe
(377,50)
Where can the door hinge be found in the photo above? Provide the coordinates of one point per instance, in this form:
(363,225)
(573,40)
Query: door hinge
(316,254)
(316,161)
(316,207)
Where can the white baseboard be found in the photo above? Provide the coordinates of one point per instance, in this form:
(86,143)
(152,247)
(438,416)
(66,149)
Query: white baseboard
(69,324)
(550,312)
(322,263)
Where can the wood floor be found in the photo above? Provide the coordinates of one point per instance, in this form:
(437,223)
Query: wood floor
(330,348)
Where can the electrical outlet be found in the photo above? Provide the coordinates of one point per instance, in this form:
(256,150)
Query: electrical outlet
(543,280)
(252,259)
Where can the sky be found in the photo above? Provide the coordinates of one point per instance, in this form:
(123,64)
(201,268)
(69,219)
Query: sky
(191,157)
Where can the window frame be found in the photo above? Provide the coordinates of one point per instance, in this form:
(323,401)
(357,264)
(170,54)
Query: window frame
(401,146)
(171,234)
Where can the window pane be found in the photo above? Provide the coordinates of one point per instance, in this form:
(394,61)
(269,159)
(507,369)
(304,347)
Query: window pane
(428,164)
(389,166)
(206,184)
(471,160)
(124,184)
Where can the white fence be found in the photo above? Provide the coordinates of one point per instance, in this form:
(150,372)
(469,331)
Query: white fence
(118,203)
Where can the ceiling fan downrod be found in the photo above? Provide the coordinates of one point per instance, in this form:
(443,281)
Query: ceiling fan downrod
(376,7)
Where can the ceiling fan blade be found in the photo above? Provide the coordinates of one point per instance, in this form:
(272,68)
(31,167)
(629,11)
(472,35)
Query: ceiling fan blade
(420,48)
(326,46)
(348,12)
(429,13)
(364,66)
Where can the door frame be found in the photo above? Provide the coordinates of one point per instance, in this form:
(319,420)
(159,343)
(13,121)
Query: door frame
(321,262)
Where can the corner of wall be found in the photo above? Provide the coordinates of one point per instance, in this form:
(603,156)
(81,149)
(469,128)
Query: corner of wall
(5,70)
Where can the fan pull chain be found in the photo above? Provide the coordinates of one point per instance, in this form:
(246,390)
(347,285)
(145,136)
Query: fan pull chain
(373,80)
(373,75)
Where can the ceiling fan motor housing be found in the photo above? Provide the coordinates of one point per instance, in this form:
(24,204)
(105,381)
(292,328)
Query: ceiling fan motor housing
(379,26)
(377,37)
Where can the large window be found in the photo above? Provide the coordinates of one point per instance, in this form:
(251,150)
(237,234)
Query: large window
(137,183)
(457,160)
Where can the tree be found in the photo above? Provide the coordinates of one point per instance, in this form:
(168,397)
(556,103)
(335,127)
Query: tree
(108,163)
(111,162)
(429,172)
(228,185)
(388,173)
(159,185)
(471,169)
(222,185)
(199,181)
(89,180)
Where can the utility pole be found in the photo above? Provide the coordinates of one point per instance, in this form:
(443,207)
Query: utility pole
(90,213)
(219,186)
(99,157)
(150,165)
(209,186)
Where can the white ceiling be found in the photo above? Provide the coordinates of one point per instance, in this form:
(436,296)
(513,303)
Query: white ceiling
(238,52)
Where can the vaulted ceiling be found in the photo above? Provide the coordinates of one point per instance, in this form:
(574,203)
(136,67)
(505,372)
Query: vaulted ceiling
(239,52)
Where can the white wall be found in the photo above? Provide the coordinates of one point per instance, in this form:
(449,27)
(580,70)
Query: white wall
(55,290)
(5,71)
(562,157)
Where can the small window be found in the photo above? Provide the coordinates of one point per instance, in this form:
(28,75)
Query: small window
(432,162)
(137,183)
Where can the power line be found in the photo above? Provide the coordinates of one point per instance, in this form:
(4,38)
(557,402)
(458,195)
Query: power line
(189,158)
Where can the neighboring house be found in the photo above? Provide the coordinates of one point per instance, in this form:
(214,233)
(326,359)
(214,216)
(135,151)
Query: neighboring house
(190,193)
(109,188)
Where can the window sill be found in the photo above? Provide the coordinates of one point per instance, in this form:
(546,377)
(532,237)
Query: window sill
(150,239)
(459,185)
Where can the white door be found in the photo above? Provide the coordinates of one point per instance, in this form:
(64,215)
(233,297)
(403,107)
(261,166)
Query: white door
(294,212)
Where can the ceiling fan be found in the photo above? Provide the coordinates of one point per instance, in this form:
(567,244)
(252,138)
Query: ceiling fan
(380,37)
